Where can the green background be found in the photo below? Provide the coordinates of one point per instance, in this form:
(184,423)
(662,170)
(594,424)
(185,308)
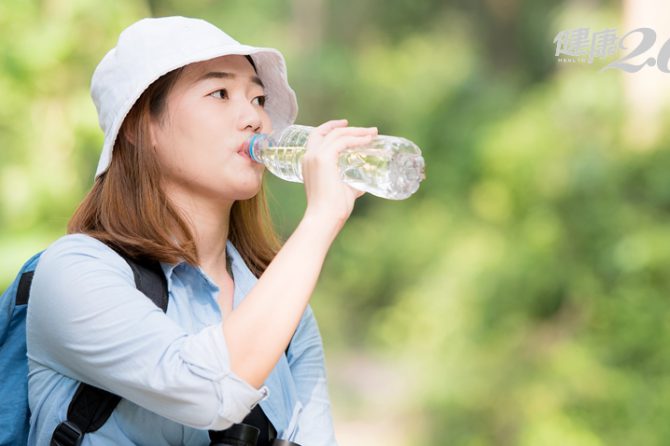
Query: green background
(519,298)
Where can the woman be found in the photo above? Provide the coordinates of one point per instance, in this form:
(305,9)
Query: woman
(177,99)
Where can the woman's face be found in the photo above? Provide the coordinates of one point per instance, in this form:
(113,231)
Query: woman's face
(212,110)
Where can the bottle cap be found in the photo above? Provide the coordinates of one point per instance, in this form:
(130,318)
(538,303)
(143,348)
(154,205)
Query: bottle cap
(257,138)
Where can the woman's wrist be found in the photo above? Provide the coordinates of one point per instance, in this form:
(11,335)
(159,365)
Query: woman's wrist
(322,223)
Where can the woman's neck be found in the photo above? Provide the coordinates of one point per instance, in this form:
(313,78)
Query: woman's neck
(209,221)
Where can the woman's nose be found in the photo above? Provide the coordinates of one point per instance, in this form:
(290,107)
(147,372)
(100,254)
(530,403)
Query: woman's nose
(250,117)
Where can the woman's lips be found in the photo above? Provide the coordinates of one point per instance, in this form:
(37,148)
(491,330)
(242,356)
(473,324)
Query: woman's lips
(243,150)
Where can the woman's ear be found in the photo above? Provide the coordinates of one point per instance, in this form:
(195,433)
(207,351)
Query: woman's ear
(129,134)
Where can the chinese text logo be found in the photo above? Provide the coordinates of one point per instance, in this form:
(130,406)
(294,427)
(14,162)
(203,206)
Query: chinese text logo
(579,45)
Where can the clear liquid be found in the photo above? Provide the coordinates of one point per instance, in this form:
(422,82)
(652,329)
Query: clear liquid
(384,173)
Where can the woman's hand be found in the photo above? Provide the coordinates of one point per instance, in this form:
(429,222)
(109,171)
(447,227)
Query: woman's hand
(328,197)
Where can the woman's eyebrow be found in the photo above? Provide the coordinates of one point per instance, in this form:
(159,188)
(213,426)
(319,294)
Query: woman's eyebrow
(224,75)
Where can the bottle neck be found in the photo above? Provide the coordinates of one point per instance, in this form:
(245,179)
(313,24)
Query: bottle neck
(256,143)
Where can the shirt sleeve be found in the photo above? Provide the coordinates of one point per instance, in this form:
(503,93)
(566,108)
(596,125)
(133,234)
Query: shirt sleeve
(87,321)
(307,363)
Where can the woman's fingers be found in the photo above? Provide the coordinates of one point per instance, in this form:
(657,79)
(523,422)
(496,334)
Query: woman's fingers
(348,141)
(328,126)
(316,137)
(324,137)
(355,131)
(330,149)
(342,138)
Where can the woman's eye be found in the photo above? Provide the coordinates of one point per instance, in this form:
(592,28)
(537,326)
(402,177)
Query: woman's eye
(261,100)
(220,94)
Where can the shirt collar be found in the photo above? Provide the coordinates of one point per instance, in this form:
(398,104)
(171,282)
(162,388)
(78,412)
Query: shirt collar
(242,275)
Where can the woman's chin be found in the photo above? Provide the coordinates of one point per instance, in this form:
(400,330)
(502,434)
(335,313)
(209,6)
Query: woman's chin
(249,191)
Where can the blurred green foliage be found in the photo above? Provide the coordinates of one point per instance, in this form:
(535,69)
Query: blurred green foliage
(522,290)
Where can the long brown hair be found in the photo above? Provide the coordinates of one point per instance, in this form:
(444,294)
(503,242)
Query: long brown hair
(128,209)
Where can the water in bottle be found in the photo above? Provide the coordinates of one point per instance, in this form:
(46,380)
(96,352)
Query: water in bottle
(388,167)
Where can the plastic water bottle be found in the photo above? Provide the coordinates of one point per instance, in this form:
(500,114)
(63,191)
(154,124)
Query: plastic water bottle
(388,167)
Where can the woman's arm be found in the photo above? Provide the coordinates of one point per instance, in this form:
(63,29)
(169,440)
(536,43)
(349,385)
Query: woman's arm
(259,330)
(87,321)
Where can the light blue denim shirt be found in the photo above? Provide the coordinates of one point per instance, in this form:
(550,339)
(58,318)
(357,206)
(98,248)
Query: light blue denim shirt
(87,322)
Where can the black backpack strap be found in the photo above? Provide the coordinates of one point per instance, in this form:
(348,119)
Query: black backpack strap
(88,411)
(23,291)
(90,406)
(150,280)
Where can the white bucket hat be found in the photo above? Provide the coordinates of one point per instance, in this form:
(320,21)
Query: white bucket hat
(152,47)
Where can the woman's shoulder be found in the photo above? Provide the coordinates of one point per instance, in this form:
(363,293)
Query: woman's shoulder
(73,272)
(78,249)
(77,244)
